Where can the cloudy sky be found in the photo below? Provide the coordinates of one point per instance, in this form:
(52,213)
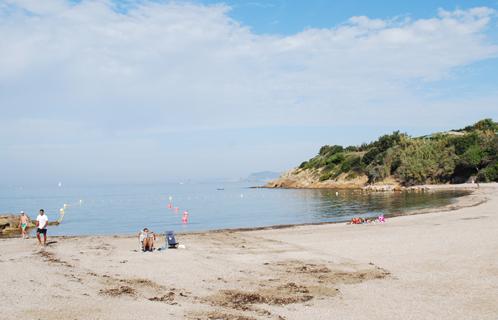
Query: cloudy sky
(98,91)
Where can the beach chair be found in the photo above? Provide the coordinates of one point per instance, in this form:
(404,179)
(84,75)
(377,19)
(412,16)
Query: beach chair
(171,240)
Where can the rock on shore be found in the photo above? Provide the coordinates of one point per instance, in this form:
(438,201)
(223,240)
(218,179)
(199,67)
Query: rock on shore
(9,224)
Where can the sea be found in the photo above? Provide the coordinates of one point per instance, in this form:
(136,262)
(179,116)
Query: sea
(125,209)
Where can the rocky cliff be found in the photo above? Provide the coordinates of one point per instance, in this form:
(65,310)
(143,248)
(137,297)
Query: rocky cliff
(310,178)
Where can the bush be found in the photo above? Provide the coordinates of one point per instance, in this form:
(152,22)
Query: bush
(462,143)
(483,125)
(426,161)
(388,141)
(489,174)
(472,157)
(352,149)
(370,156)
(329,150)
(327,175)
(335,159)
(351,163)
(377,173)
(364,147)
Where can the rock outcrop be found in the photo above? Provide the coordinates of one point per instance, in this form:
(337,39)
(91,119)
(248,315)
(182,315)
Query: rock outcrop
(307,178)
(9,224)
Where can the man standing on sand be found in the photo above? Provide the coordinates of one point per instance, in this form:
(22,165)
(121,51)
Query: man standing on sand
(41,224)
(23,224)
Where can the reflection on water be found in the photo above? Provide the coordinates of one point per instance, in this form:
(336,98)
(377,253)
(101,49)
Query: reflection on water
(126,209)
(341,205)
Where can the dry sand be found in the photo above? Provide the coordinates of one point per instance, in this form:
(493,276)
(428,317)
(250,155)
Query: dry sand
(442,265)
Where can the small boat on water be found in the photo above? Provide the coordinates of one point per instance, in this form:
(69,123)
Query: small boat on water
(219,189)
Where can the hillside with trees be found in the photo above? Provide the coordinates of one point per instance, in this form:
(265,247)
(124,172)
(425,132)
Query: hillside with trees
(457,156)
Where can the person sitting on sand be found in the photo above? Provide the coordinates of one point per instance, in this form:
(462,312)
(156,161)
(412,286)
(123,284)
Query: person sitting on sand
(356,220)
(147,239)
(41,224)
(23,225)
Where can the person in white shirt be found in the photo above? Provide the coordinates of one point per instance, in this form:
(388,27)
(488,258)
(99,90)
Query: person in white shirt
(41,224)
(147,239)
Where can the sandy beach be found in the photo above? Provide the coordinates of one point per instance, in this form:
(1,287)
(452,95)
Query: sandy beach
(441,265)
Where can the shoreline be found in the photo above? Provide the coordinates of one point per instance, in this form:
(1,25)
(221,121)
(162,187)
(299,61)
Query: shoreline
(384,187)
(472,199)
(469,200)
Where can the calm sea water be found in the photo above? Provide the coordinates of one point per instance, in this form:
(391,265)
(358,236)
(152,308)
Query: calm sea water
(126,209)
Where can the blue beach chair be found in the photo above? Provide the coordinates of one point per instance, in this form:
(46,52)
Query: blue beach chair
(170,242)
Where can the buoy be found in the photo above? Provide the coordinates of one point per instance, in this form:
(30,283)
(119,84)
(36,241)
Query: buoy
(185,217)
(170,199)
(65,205)
(336,193)
(61,215)
(81,201)
(170,206)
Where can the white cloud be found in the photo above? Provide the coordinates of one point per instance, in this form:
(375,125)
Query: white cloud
(174,67)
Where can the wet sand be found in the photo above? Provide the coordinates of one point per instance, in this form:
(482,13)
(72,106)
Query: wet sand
(441,265)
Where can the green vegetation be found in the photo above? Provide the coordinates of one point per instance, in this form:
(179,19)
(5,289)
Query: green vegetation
(455,156)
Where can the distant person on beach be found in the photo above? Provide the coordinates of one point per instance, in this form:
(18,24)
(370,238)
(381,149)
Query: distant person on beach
(41,224)
(146,239)
(23,224)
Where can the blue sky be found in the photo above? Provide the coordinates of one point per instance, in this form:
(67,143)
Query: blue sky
(288,17)
(150,91)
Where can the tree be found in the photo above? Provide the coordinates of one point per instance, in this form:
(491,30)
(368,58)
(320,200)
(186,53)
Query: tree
(329,150)
(425,161)
(483,125)
(473,157)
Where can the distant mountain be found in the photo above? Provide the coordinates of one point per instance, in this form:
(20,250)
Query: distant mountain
(263,176)
(468,154)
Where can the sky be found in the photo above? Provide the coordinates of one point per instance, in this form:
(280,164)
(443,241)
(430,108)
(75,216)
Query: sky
(95,91)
